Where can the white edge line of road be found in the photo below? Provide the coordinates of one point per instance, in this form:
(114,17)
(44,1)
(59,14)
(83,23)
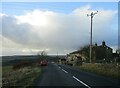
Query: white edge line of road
(64,71)
(81,82)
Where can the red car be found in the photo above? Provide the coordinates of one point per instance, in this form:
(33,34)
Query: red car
(43,63)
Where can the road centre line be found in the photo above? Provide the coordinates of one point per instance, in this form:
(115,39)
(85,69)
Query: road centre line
(81,82)
(59,67)
(77,79)
(64,71)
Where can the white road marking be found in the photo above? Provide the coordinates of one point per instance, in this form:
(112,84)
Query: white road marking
(59,67)
(64,71)
(81,82)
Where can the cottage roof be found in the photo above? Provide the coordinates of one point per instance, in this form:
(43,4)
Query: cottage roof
(94,47)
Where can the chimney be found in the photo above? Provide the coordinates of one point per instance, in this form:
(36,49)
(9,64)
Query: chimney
(95,44)
(103,43)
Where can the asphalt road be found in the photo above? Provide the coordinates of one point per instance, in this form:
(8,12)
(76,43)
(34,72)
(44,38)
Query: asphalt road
(61,75)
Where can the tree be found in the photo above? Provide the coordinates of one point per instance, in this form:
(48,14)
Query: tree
(42,54)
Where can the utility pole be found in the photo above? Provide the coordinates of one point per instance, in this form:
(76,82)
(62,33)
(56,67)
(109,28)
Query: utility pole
(91,15)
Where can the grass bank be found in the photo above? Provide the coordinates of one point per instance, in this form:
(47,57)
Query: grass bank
(110,70)
(21,78)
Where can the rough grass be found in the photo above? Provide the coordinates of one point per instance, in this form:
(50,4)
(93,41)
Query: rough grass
(111,70)
(0,76)
(22,77)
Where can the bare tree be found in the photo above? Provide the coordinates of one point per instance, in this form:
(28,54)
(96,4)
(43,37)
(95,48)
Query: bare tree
(43,53)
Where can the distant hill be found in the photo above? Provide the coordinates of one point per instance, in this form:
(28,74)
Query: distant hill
(9,60)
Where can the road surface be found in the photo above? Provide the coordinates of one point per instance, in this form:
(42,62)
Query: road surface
(61,75)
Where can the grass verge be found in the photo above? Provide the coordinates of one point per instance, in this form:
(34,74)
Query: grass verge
(110,70)
(21,78)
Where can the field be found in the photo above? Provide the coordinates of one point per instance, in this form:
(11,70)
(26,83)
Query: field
(0,76)
(19,72)
(110,70)
(22,77)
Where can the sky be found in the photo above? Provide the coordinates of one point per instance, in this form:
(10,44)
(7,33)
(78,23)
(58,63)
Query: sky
(63,27)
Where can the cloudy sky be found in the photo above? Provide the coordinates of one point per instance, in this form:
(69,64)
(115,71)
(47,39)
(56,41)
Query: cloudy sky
(62,27)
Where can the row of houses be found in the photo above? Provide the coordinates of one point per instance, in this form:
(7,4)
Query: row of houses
(101,53)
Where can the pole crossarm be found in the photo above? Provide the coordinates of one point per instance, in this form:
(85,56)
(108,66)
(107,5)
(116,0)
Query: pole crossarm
(92,14)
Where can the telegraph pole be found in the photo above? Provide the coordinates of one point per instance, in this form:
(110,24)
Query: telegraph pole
(91,15)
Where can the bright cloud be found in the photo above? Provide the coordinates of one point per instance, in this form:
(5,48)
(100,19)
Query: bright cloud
(47,30)
(36,17)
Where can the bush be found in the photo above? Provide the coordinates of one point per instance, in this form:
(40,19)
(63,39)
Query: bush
(22,64)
